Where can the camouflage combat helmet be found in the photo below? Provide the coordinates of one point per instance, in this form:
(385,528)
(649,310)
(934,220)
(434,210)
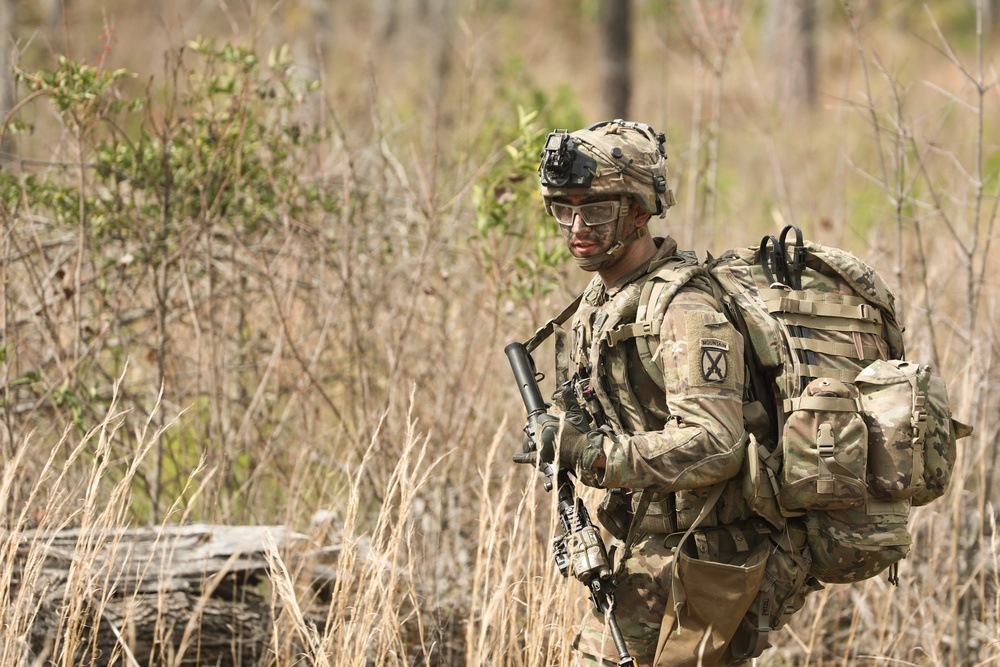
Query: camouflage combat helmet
(611,157)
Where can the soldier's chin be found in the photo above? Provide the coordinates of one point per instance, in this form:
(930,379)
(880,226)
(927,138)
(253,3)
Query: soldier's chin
(591,262)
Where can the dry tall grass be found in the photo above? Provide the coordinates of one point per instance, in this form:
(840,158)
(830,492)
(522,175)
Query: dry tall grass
(332,361)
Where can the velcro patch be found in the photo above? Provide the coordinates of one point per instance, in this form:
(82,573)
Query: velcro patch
(710,364)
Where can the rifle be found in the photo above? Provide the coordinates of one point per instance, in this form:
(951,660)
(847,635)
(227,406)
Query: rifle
(580,548)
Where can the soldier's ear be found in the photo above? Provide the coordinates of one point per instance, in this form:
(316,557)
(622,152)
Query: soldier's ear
(642,216)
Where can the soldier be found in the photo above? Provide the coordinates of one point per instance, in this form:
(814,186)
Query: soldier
(651,410)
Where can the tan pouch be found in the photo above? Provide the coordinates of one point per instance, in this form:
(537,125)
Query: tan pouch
(706,608)
(782,593)
(760,483)
(615,512)
(787,570)
(659,514)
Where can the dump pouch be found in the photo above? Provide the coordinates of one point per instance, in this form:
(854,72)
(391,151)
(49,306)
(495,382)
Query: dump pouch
(697,629)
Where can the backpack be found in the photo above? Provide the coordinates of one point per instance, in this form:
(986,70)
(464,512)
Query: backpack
(847,436)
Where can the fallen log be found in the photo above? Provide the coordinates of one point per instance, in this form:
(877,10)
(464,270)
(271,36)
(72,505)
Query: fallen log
(174,595)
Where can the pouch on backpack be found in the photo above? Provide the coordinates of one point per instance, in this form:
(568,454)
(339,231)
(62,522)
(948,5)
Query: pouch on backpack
(940,448)
(824,445)
(912,436)
(857,543)
(894,399)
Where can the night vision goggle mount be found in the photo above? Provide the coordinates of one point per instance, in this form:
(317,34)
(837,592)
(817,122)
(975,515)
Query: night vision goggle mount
(563,165)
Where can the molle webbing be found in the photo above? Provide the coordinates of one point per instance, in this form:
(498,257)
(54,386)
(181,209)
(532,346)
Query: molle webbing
(635,313)
(832,323)
(610,364)
(823,305)
(845,316)
(850,350)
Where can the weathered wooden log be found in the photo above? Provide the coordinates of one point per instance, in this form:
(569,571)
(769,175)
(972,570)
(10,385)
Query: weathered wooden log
(176,595)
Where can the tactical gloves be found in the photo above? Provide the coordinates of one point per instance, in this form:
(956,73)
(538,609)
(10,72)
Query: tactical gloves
(578,446)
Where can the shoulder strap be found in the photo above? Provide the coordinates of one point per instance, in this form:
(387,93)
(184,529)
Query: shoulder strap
(657,294)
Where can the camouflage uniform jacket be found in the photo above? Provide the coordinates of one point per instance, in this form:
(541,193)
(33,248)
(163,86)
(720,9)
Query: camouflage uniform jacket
(679,440)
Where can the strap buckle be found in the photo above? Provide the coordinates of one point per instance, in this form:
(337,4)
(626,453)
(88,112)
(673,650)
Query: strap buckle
(825,443)
(627,331)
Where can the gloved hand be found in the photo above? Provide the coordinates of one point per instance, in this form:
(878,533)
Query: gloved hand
(578,447)
(546,429)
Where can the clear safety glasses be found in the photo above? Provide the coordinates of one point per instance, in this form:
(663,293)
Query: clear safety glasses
(593,214)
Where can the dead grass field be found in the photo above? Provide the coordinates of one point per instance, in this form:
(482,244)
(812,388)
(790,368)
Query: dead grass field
(252,300)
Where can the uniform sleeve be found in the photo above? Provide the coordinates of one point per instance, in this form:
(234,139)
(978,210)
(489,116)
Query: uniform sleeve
(701,354)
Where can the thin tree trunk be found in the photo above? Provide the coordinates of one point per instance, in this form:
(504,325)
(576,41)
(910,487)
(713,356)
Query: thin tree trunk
(806,37)
(322,24)
(8,41)
(694,209)
(386,18)
(443,20)
(617,57)
(790,47)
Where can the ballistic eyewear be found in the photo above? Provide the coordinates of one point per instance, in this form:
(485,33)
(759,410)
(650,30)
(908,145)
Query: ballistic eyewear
(593,214)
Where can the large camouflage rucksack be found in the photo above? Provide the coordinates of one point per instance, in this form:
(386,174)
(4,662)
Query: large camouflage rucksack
(847,436)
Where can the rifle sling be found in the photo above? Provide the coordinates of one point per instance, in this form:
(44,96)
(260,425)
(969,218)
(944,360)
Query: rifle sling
(546,330)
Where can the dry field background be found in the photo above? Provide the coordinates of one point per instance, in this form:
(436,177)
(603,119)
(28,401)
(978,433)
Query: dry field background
(260,260)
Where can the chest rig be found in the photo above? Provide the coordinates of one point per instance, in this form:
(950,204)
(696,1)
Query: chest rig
(609,356)
(610,352)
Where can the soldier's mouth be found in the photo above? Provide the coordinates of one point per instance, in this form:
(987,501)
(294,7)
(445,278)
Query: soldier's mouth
(584,247)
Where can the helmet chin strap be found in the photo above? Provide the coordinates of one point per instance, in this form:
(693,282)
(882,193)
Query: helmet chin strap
(611,255)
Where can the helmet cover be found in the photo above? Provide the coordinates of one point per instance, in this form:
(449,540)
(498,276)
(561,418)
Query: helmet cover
(611,157)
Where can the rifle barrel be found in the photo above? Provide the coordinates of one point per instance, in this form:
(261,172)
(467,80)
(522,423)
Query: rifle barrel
(524,372)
